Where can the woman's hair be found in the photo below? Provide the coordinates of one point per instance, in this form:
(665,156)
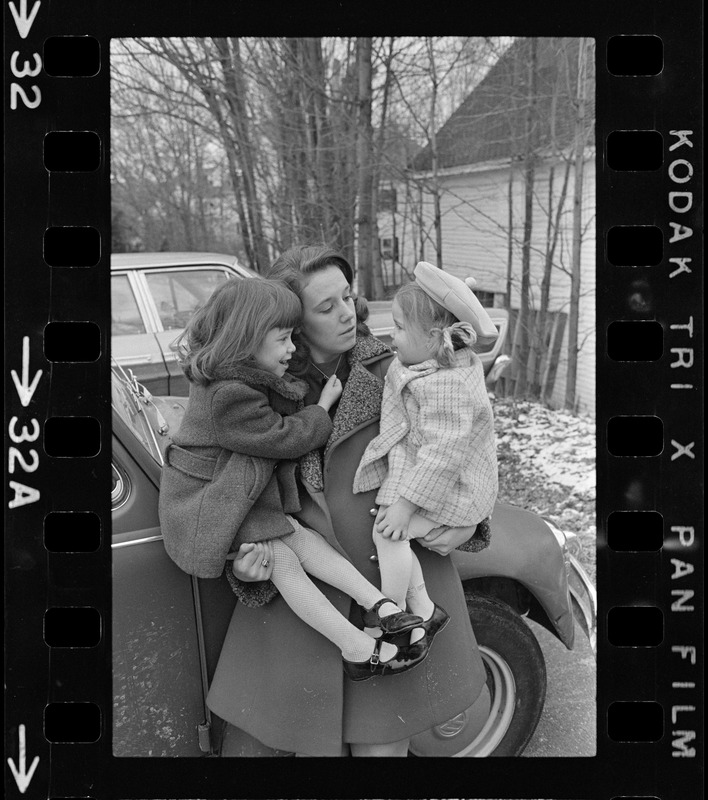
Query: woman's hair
(230,327)
(429,316)
(294,267)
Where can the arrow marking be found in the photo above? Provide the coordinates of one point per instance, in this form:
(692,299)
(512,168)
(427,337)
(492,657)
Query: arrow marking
(22,21)
(25,389)
(22,777)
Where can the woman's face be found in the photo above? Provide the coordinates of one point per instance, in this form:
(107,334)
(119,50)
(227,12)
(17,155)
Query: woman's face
(328,318)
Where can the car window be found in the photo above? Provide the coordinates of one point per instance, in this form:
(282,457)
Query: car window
(125,316)
(179,293)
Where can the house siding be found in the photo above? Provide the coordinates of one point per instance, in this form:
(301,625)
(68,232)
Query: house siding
(475,217)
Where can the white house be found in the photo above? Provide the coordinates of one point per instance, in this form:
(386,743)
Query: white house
(481,186)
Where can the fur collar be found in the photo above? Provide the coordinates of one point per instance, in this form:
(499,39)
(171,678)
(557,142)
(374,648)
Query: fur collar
(287,387)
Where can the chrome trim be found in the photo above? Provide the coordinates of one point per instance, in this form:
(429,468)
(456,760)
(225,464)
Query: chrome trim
(151,316)
(561,536)
(121,491)
(584,596)
(141,359)
(146,540)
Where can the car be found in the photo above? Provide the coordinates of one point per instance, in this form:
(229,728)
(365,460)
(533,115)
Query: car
(153,296)
(168,627)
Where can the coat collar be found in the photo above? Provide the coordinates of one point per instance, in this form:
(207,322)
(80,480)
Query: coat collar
(288,387)
(400,375)
(367,348)
(361,400)
(359,405)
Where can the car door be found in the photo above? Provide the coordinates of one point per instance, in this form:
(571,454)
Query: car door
(176,293)
(133,343)
(157,678)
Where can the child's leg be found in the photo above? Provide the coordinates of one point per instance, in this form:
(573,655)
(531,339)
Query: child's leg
(417,594)
(395,562)
(418,598)
(308,602)
(321,560)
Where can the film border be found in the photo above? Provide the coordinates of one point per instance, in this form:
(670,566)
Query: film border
(38,390)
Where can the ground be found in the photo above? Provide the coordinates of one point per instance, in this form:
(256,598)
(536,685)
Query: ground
(547,465)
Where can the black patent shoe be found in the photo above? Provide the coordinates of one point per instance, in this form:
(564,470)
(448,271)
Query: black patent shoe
(393,624)
(407,657)
(437,621)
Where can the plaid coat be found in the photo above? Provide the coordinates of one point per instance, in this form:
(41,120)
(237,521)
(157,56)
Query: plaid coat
(436,444)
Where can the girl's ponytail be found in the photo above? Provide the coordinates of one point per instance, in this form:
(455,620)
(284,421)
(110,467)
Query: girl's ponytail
(453,337)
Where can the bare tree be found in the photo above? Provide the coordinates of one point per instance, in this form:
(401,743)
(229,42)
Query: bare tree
(581,133)
(530,157)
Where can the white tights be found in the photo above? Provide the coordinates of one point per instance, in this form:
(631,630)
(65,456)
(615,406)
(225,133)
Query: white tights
(305,551)
(402,577)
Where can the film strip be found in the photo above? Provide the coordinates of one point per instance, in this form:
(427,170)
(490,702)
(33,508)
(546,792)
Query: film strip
(60,723)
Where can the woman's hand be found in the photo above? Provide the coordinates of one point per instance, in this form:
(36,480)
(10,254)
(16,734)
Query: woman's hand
(253,562)
(446,540)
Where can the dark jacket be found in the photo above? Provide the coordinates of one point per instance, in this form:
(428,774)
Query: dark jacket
(229,474)
(282,681)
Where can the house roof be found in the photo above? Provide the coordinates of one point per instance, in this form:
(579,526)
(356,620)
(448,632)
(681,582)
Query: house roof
(490,124)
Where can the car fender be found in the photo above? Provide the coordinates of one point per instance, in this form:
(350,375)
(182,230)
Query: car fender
(525,549)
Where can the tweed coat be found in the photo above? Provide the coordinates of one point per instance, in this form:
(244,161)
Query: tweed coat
(229,473)
(436,446)
(281,681)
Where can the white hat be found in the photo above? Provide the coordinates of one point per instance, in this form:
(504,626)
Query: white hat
(457,297)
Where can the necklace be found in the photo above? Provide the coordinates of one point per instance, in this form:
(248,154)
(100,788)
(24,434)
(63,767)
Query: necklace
(325,376)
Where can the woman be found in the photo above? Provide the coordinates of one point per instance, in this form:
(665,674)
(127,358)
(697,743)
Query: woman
(277,679)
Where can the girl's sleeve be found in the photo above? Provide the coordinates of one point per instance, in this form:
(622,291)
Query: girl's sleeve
(445,422)
(245,423)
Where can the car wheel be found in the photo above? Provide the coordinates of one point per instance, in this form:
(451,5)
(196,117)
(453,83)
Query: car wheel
(503,719)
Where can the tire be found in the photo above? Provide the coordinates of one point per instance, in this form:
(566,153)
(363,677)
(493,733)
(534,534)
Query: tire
(503,719)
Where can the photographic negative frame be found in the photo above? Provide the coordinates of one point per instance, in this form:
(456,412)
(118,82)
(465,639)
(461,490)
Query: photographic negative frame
(59,699)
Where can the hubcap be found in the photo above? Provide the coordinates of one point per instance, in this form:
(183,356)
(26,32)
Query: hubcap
(503,689)
(502,692)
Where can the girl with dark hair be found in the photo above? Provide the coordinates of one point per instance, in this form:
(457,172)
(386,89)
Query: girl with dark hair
(229,474)
(279,686)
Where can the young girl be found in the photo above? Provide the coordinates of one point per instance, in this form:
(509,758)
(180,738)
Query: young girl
(229,474)
(435,456)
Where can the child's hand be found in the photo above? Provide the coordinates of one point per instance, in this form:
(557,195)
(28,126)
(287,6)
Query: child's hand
(253,561)
(392,521)
(331,392)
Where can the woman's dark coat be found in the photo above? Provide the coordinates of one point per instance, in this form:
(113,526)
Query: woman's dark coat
(229,474)
(281,681)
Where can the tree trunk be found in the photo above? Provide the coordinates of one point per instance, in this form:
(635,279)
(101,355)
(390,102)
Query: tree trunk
(365,227)
(510,236)
(435,159)
(524,320)
(230,58)
(574,311)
